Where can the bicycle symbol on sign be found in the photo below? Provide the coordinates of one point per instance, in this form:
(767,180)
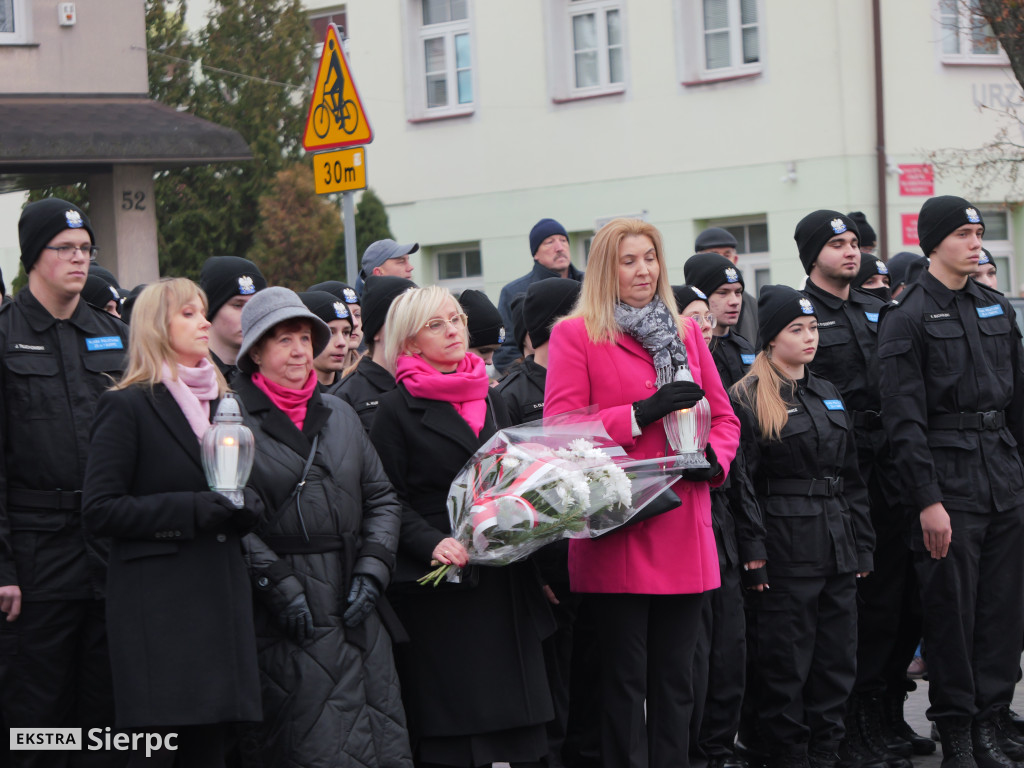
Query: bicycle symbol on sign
(333,106)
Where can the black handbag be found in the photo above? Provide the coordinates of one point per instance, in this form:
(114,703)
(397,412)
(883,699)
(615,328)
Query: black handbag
(665,501)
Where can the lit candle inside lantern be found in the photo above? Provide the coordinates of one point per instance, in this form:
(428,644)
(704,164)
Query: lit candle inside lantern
(227,462)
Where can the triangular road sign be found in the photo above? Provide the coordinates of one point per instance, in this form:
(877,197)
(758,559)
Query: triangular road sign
(336,116)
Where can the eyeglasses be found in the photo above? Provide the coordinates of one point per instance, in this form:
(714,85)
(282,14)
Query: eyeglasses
(67,252)
(708,318)
(438,324)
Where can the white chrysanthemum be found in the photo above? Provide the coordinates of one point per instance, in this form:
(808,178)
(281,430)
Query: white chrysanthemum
(511,462)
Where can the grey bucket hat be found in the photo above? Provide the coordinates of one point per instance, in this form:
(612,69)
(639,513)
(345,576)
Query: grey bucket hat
(266,309)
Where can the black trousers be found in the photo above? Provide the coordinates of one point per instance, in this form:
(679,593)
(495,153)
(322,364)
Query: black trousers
(801,646)
(646,645)
(558,653)
(57,675)
(719,670)
(973,601)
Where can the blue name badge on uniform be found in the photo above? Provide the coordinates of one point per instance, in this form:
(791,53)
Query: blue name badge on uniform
(993,311)
(834,405)
(747,359)
(104,342)
(871,316)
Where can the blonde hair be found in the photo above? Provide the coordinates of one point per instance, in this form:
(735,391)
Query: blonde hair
(600,292)
(149,341)
(408,314)
(760,392)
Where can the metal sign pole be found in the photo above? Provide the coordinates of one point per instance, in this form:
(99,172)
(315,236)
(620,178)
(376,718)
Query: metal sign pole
(348,208)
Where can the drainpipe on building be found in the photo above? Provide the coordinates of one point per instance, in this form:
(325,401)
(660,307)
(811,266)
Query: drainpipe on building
(881,162)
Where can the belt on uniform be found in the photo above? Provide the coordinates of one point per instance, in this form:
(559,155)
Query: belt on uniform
(815,486)
(65,501)
(975,421)
(867,420)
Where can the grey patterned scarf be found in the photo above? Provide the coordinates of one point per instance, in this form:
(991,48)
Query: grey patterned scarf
(652,326)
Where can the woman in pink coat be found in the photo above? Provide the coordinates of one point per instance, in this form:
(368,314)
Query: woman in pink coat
(619,350)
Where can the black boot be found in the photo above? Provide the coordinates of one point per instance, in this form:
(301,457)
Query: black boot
(987,753)
(790,757)
(853,752)
(1007,730)
(867,712)
(957,749)
(892,713)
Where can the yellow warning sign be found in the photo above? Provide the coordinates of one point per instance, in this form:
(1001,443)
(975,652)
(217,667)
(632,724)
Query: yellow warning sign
(340,171)
(336,115)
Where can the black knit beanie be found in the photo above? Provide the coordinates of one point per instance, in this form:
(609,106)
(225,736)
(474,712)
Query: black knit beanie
(97,292)
(867,238)
(870,265)
(42,221)
(817,228)
(777,307)
(486,328)
(223,277)
(941,215)
(378,293)
(707,271)
(546,301)
(326,306)
(106,274)
(714,237)
(342,290)
(686,295)
(544,229)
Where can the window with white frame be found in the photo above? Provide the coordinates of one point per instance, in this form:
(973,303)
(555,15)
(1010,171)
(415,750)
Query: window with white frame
(719,39)
(319,20)
(587,51)
(751,248)
(459,267)
(441,56)
(15,22)
(999,243)
(966,38)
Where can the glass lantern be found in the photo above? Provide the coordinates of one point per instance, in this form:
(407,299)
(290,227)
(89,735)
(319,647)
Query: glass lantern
(227,451)
(688,429)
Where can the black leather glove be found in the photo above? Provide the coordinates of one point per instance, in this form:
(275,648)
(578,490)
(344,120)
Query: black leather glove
(297,619)
(213,510)
(361,599)
(705,475)
(246,518)
(674,396)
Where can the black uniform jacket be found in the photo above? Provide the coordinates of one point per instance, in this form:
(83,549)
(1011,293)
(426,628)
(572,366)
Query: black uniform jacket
(362,389)
(810,535)
(522,389)
(52,374)
(950,352)
(733,356)
(179,605)
(490,627)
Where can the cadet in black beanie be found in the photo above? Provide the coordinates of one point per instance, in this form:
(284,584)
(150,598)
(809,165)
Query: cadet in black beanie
(815,229)
(486,328)
(867,237)
(378,293)
(686,295)
(101,294)
(777,307)
(347,294)
(942,215)
(873,277)
(707,271)
(42,221)
(230,281)
(546,301)
(333,311)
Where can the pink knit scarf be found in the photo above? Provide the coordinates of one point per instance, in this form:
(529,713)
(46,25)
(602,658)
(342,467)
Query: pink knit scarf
(292,401)
(466,388)
(192,390)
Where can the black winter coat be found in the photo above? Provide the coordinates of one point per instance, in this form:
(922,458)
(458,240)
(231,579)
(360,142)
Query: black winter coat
(179,605)
(333,701)
(522,389)
(810,535)
(362,389)
(486,631)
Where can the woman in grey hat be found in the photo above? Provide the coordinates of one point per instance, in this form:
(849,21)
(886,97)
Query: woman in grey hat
(320,557)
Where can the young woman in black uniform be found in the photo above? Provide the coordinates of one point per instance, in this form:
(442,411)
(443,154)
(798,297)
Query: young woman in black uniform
(801,633)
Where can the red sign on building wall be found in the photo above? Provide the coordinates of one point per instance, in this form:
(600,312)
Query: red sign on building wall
(917,180)
(909,227)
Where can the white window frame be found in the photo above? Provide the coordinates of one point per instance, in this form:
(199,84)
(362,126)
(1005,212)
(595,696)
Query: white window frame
(967,20)
(1001,250)
(561,52)
(22,34)
(328,13)
(458,284)
(690,44)
(416,35)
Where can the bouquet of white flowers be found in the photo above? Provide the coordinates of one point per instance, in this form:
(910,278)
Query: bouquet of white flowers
(533,484)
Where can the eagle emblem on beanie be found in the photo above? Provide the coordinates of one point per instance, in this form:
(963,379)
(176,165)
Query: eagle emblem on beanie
(73,219)
(805,304)
(838,226)
(882,269)
(246,285)
(350,296)
(699,293)
(501,335)
(972,216)
(731,275)
(340,309)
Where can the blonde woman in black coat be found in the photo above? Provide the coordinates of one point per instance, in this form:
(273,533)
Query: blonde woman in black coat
(179,605)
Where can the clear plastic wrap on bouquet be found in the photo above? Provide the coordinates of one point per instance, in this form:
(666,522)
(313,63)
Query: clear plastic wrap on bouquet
(560,477)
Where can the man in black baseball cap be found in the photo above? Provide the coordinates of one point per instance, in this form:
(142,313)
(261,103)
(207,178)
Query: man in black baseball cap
(229,283)
(58,356)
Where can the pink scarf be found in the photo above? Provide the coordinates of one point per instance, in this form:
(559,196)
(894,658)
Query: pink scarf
(193,390)
(292,401)
(466,388)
